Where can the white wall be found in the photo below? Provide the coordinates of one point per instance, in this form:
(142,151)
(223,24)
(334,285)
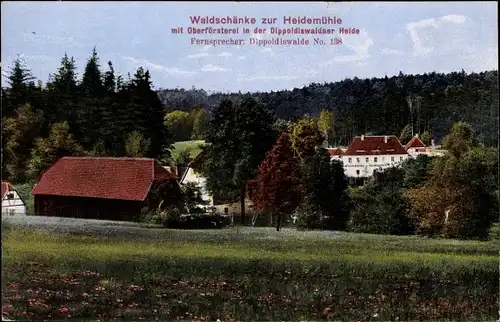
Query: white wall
(360,167)
(13,206)
(192,176)
(426,151)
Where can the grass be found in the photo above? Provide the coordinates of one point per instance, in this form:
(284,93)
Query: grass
(193,147)
(248,274)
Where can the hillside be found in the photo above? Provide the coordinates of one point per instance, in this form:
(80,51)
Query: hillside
(378,105)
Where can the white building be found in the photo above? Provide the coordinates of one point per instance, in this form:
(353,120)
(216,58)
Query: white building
(416,147)
(221,205)
(12,204)
(193,174)
(369,153)
(335,153)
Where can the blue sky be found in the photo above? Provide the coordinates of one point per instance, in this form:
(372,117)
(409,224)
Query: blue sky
(394,36)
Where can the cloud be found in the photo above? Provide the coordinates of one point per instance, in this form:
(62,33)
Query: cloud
(267,77)
(213,68)
(169,70)
(241,57)
(360,44)
(389,51)
(49,39)
(202,54)
(225,54)
(427,34)
(35,58)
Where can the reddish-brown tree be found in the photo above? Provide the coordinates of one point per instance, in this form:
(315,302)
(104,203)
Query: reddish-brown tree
(278,187)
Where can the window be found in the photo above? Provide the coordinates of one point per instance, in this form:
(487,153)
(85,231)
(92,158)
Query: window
(10,195)
(392,159)
(357,172)
(367,159)
(400,158)
(357,160)
(350,160)
(12,212)
(226,210)
(375,159)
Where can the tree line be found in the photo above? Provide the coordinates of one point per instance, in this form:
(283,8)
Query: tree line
(430,102)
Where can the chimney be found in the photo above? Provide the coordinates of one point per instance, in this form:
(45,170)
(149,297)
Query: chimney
(362,137)
(385,139)
(416,135)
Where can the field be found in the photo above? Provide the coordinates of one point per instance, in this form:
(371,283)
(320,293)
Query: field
(193,147)
(246,273)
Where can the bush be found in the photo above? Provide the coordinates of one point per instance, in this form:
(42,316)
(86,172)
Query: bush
(381,213)
(494,232)
(309,215)
(198,221)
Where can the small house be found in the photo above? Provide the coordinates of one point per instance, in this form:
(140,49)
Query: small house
(104,188)
(192,174)
(12,204)
(335,154)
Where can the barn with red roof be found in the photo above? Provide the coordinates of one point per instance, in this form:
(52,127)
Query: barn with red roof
(103,188)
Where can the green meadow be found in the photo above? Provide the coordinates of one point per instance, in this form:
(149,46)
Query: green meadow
(193,147)
(247,273)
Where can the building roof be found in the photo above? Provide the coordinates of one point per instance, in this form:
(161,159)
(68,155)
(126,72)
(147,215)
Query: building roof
(102,177)
(334,151)
(415,142)
(6,187)
(375,145)
(197,161)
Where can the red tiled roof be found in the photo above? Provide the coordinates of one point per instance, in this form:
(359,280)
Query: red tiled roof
(109,178)
(375,145)
(6,187)
(415,142)
(335,151)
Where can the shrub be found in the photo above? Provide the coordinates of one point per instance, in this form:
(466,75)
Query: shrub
(309,215)
(382,213)
(494,232)
(198,221)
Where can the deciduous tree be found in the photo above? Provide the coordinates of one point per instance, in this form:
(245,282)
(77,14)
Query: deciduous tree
(325,124)
(278,187)
(136,145)
(306,137)
(46,151)
(239,136)
(18,135)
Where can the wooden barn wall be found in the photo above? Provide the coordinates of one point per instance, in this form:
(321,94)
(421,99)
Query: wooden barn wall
(88,208)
